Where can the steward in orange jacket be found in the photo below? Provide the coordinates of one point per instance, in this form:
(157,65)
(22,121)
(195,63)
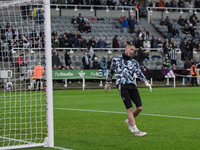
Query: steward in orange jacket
(38,72)
(193,72)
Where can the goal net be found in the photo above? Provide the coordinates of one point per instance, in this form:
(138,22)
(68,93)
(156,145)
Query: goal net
(26,118)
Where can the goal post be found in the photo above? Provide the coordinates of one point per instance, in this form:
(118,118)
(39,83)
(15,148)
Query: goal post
(26,97)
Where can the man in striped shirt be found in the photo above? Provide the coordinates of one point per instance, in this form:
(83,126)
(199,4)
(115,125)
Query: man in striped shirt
(173,56)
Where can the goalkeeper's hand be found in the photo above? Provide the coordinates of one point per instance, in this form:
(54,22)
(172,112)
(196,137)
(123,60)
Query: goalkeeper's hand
(149,86)
(107,87)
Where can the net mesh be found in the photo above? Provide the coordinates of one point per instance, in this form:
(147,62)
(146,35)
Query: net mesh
(22,94)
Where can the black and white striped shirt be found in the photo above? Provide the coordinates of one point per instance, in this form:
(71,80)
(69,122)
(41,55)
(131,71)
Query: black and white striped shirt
(173,55)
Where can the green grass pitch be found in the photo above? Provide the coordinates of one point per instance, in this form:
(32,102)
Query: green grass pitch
(94,120)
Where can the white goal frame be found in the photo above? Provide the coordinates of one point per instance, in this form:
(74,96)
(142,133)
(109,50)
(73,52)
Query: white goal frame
(49,140)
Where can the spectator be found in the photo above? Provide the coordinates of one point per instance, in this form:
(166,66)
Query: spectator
(191,5)
(139,31)
(183,49)
(67,59)
(197,4)
(195,34)
(40,16)
(88,28)
(174,44)
(181,4)
(198,47)
(92,42)
(173,56)
(175,32)
(187,64)
(189,49)
(79,35)
(83,42)
(55,59)
(193,20)
(101,44)
(62,40)
(67,42)
(96,64)
(108,42)
(124,43)
(121,18)
(165,42)
(161,3)
(8,35)
(167,59)
(20,61)
(132,41)
(190,29)
(162,22)
(71,35)
(147,44)
(56,41)
(187,20)
(125,25)
(37,74)
(140,56)
(166,49)
(173,4)
(103,63)
(81,27)
(132,22)
(86,61)
(170,30)
(66,33)
(181,21)
(154,43)
(35,34)
(167,20)
(167,4)
(115,42)
(164,68)
(75,42)
(139,43)
(16,34)
(73,21)
(143,35)
(8,26)
(80,19)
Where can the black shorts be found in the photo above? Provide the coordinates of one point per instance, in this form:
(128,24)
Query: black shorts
(129,92)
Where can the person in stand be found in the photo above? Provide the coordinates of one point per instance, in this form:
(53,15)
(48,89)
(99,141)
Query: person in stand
(193,72)
(37,74)
(20,61)
(124,68)
(86,60)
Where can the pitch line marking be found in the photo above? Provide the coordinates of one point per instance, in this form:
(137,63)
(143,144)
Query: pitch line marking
(115,112)
(11,139)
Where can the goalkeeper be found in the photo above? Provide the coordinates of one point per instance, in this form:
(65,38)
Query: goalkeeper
(124,68)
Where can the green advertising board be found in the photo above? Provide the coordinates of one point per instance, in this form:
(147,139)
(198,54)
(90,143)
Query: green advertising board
(78,74)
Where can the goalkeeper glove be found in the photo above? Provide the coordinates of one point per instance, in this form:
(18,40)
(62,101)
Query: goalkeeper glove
(107,87)
(149,86)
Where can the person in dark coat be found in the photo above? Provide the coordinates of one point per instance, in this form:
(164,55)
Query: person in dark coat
(132,22)
(55,59)
(115,42)
(67,59)
(86,60)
